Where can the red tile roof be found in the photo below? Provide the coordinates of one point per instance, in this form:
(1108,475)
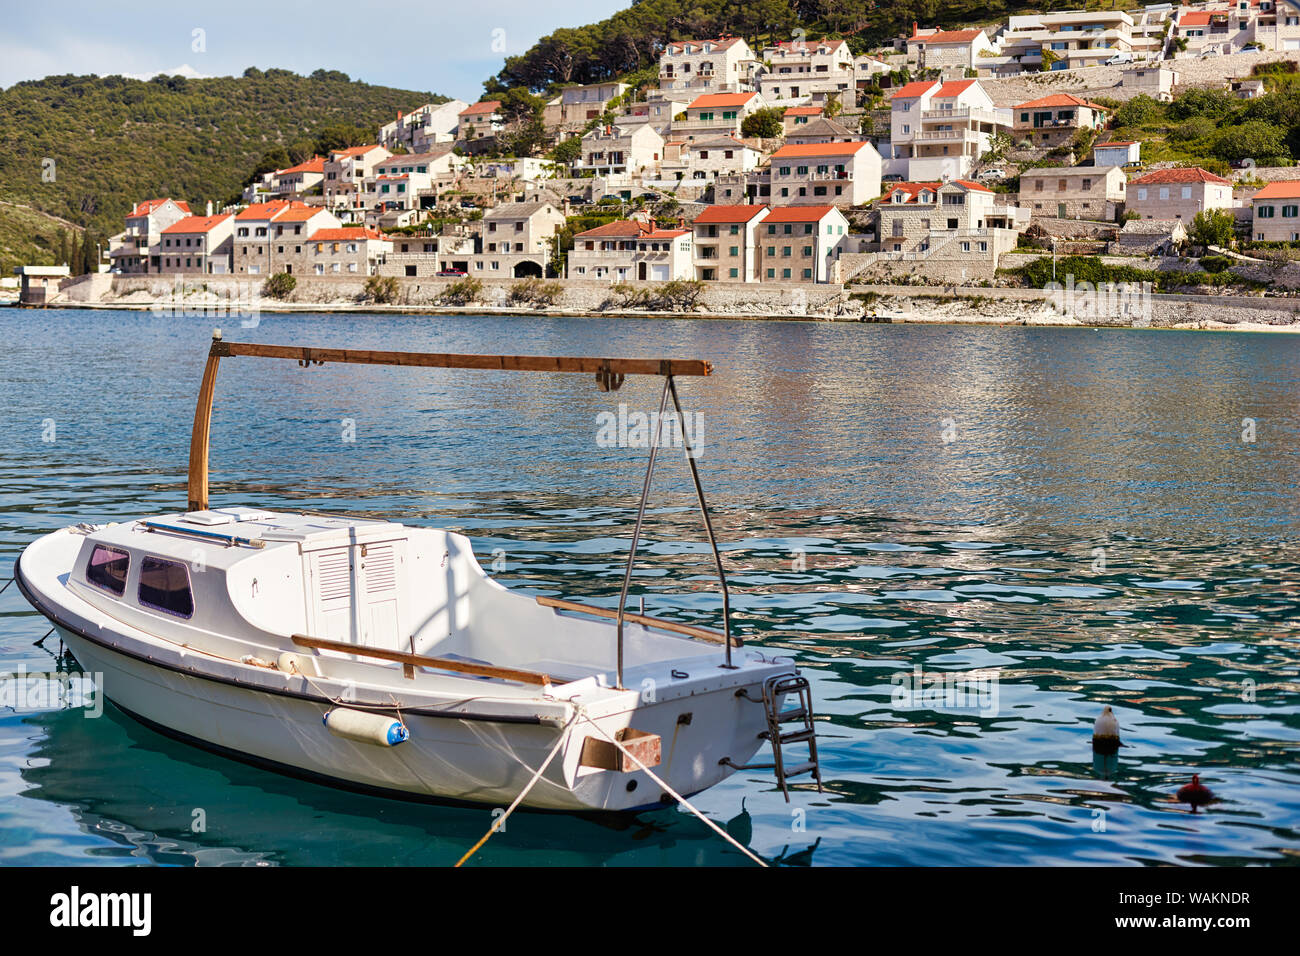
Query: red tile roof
(804,111)
(352,151)
(915,88)
(721,100)
(948,36)
(344,233)
(264,210)
(971,184)
(618,229)
(798,213)
(192,224)
(811,150)
(1196,18)
(314,165)
(1192,174)
(1116,142)
(953,88)
(149,205)
(1059,99)
(299,213)
(729,214)
(722,43)
(482,108)
(1283,190)
(910,190)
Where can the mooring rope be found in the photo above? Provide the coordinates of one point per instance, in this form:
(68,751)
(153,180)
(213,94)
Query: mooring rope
(500,821)
(674,794)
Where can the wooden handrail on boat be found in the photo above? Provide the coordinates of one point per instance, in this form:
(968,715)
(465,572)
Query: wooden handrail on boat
(420,660)
(703,633)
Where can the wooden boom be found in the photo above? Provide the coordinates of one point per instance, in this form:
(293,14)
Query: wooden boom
(703,633)
(609,374)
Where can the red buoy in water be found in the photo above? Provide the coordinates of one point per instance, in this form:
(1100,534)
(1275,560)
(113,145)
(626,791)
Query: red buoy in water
(1195,794)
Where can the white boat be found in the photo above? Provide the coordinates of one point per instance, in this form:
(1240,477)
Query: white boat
(370,655)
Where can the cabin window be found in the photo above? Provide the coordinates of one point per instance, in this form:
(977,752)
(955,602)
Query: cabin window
(107,569)
(165,586)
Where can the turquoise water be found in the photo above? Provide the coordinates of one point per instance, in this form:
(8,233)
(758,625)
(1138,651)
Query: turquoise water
(889,497)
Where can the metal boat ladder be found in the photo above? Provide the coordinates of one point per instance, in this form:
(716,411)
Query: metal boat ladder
(774,689)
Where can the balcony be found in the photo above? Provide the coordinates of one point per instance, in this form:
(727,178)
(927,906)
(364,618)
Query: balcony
(946,136)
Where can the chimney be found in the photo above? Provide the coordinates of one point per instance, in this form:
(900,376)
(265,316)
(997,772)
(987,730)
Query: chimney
(209,212)
(913,28)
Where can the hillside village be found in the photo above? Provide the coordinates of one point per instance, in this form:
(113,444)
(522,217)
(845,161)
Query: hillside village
(928,161)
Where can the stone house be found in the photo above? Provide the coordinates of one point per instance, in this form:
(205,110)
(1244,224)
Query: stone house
(1074,192)
(1053,120)
(802,243)
(721,65)
(618,149)
(819,173)
(1178,194)
(198,245)
(803,69)
(631,250)
(516,240)
(138,248)
(1275,212)
(726,243)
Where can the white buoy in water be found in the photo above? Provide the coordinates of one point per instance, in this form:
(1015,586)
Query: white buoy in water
(1105,732)
(366,728)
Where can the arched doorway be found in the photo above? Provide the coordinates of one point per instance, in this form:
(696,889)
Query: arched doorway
(525,270)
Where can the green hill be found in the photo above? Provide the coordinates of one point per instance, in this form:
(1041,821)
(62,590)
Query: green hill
(115,141)
(630,39)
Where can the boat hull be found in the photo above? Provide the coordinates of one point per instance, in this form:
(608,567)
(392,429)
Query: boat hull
(484,760)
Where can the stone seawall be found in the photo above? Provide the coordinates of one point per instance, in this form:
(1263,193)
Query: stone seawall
(577,295)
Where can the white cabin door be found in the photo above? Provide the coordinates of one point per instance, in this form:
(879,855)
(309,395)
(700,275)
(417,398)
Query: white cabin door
(358,595)
(381,583)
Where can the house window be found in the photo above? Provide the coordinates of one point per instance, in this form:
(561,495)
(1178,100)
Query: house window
(1289,212)
(107,569)
(735,273)
(1264,212)
(165,586)
(1187,192)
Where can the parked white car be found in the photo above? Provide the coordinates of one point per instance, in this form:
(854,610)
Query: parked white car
(1123,56)
(993,174)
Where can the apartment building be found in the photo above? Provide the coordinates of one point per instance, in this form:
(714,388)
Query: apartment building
(1228,25)
(137,250)
(298,180)
(968,218)
(632,250)
(802,243)
(425,126)
(516,239)
(1178,194)
(802,69)
(345,250)
(622,149)
(726,243)
(345,173)
(721,65)
(716,114)
(578,105)
(704,160)
(398,181)
(289,233)
(1074,192)
(1275,213)
(1075,39)
(1053,120)
(819,173)
(198,245)
(938,130)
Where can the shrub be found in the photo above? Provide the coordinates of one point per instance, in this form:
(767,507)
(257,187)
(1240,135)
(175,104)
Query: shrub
(680,295)
(462,291)
(382,289)
(626,296)
(765,123)
(1215,263)
(279,286)
(535,292)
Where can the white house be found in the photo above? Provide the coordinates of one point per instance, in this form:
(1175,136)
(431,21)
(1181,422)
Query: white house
(818,173)
(631,250)
(722,65)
